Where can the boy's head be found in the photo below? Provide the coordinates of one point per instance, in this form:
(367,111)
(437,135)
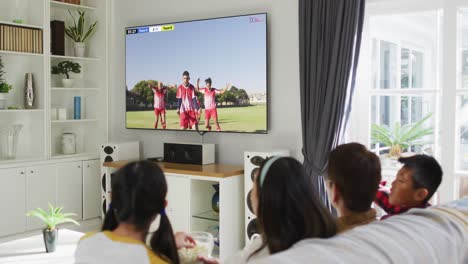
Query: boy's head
(353,177)
(186,77)
(208,83)
(416,181)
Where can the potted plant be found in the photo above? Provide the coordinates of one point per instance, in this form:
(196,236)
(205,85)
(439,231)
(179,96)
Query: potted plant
(77,32)
(51,219)
(65,67)
(4,87)
(401,137)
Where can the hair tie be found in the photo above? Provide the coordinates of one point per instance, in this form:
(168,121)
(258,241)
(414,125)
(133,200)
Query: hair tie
(266,167)
(163,212)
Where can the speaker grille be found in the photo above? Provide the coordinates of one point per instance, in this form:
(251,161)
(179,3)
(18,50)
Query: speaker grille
(257,160)
(249,202)
(108,159)
(103,182)
(252,228)
(108,150)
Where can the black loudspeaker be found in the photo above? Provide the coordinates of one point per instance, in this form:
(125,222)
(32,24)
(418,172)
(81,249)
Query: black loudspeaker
(199,154)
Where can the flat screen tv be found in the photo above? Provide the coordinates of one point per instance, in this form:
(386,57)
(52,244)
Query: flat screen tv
(203,75)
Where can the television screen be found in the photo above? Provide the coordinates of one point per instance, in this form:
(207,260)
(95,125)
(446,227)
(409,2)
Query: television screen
(205,75)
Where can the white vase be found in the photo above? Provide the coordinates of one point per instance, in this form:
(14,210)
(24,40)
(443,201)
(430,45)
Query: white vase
(67,83)
(68,143)
(79,48)
(2,100)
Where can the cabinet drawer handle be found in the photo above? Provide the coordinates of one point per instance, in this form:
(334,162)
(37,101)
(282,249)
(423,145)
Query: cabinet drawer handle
(22,172)
(32,171)
(79,166)
(88,166)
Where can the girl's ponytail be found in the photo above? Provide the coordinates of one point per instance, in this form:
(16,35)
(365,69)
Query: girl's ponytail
(110,221)
(163,241)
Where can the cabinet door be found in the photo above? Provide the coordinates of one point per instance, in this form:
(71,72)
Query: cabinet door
(69,188)
(178,202)
(40,190)
(12,201)
(91,189)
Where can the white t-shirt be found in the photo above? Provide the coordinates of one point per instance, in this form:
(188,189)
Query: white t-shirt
(107,247)
(243,256)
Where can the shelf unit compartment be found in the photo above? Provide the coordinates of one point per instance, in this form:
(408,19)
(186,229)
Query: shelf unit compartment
(15,69)
(90,104)
(200,204)
(29,144)
(90,75)
(88,137)
(31,12)
(95,44)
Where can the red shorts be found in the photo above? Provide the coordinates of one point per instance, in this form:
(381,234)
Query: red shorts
(211,113)
(158,111)
(188,119)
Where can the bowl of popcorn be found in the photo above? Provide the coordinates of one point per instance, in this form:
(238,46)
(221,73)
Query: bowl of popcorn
(203,247)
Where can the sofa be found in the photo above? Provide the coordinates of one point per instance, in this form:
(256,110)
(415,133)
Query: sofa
(434,235)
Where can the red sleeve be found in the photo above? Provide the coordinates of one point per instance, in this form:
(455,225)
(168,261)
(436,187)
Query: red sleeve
(382,200)
(178,95)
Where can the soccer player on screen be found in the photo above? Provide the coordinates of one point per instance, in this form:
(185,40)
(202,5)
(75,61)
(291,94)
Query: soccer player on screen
(187,106)
(210,102)
(159,105)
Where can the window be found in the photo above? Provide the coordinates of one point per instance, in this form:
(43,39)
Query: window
(414,64)
(402,92)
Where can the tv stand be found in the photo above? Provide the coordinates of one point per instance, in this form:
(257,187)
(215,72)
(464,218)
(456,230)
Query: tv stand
(190,189)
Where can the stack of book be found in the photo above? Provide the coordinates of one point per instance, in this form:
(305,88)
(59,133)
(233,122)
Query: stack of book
(20,39)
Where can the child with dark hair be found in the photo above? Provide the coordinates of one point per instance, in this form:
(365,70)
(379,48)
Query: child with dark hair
(210,102)
(138,195)
(353,176)
(187,106)
(287,210)
(414,185)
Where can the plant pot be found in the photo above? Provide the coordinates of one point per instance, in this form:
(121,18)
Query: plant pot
(50,238)
(67,83)
(2,100)
(79,48)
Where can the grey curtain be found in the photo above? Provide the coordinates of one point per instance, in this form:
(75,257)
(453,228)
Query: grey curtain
(329,43)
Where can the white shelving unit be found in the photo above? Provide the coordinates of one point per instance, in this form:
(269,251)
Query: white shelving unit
(39,142)
(91,84)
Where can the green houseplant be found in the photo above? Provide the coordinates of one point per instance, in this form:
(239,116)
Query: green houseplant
(66,67)
(77,32)
(52,218)
(4,86)
(401,137)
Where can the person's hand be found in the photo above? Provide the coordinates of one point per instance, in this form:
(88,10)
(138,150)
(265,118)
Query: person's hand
(178,112)
(208,260)
(183,240)
(198,81)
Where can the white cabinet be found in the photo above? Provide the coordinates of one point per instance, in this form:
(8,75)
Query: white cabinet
(91,189)
(40,191)
(69,188)
(178,201)
(12,201)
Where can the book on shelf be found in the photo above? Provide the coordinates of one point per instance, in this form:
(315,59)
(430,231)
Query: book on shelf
(20,39)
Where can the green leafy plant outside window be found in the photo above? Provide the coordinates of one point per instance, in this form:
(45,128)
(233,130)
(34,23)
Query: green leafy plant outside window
(401,137)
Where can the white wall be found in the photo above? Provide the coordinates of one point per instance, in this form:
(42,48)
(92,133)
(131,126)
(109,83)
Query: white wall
(283,44)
